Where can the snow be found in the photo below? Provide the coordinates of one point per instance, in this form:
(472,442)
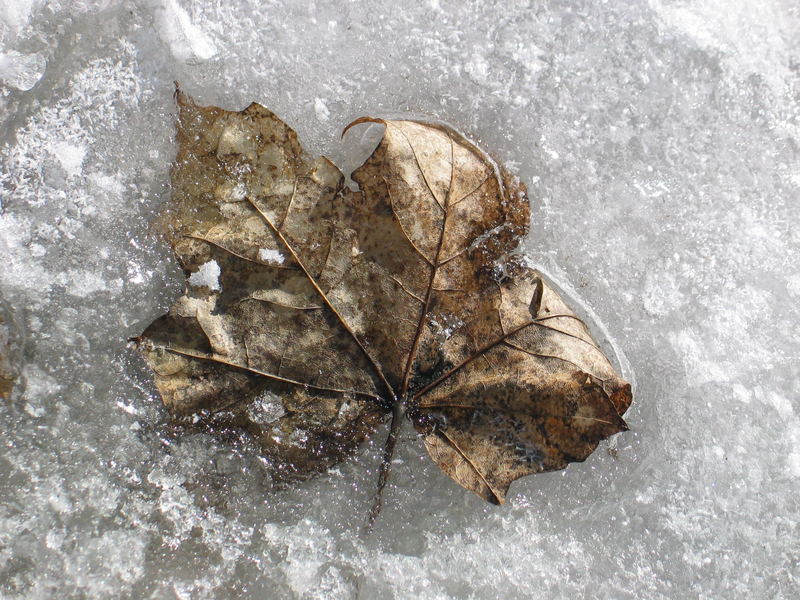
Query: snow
(270,255)
(321,110)
(660,144)
(206,275)
(69,156)
(185,39)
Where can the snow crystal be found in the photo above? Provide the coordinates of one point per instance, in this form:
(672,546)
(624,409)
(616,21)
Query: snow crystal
(270,255)
(206,275)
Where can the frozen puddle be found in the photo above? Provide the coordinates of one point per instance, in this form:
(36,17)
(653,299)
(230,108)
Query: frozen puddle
(659,144)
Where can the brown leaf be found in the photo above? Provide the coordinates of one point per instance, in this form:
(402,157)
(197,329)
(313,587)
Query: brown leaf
(312,310)
(6,370)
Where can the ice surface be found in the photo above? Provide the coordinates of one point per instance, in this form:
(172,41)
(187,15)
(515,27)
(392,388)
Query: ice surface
(660,143)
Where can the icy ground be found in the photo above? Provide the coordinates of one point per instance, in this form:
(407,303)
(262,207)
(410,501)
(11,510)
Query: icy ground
(660,143)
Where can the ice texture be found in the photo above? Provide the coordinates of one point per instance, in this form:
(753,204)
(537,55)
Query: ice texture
(660,142)
(21,71)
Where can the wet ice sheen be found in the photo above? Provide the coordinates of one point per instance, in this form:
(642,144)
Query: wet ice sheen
(659,141)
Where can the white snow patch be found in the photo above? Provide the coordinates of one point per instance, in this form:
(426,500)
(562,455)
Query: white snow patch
(321,110)
(661,294)
(699,370)
(270,255)
(128,408)
(207,275)
(65,129)
(70,156)
(651,188)
(123,552)
(793,460)
(478,69)
(793,285)
(186,41)
(109,183)
(741,393)
(781,404)
(54,539)
(137,275)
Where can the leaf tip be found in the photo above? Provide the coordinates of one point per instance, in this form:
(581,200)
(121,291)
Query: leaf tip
(360,121)
(622,398)
(182,99)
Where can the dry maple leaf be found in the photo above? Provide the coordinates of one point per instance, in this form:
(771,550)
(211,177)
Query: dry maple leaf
(313,310)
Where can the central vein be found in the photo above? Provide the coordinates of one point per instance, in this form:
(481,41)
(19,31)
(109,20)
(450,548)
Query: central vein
(434,267)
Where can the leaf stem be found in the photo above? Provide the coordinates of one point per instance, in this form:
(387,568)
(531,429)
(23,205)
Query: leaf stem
(386,463)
